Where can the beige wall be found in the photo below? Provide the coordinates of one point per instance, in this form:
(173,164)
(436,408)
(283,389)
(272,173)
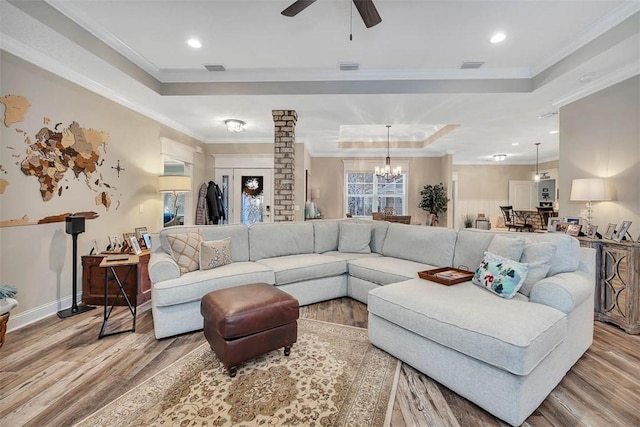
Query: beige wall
(600,137)
(327,174)
(37,258)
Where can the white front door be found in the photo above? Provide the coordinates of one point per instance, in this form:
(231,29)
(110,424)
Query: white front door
(247,194)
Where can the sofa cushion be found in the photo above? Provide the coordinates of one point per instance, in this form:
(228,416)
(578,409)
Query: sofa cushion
(499,275)
(215,253)
(296,268)
(472,244)
(185,250)
(238,232)
(514,335)
(385,270)
(537,256)
(270,240)
(193,286)
(354,238)
(426,245)
(379,231)
(506,247)
(325,235)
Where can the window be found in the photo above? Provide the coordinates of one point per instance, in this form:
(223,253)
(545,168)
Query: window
(367,193)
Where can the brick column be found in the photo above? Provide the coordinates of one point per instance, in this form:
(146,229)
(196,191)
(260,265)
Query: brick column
(284,163)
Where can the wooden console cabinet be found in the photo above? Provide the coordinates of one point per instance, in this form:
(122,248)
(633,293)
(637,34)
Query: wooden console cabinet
(135,281)
(617,282)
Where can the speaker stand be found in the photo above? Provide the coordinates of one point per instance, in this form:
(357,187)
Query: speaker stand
(75,307)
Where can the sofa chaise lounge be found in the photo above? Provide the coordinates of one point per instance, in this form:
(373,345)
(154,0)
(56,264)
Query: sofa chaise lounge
(506,355)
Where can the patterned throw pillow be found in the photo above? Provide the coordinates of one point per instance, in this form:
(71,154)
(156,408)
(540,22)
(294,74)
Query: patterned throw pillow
(215,254)
(500,275)
(185,250)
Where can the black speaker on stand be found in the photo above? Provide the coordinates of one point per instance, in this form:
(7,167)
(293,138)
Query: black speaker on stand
(74,226)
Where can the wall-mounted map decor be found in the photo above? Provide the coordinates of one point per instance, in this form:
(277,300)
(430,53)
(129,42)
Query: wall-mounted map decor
(55,154)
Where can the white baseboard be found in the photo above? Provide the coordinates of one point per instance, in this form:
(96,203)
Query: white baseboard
(27,317)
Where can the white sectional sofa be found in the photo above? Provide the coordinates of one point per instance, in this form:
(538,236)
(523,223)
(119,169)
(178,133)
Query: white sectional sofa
(506,355)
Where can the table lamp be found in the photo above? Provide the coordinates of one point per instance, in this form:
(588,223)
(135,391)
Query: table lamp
(590,190)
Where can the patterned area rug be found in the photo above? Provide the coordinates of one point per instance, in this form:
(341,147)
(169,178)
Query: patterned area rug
(333,377)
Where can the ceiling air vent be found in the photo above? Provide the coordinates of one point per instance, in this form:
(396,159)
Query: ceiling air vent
(471,65)
(349,67)
(215,67)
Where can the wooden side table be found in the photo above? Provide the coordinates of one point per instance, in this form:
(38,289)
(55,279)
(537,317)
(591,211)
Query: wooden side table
(114,270)
(617,282)
(93,281)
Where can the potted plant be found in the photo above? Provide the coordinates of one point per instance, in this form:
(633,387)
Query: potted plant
(468,221)
(434,200)
(7,303)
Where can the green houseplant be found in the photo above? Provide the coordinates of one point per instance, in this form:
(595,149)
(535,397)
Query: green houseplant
(434,199)
(468,221)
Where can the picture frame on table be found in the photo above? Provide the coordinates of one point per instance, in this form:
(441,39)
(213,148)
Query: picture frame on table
(611,229)
(146,238)
(125,236)
(591,231)
(140,231)
(95,249)
(572,220)
(573,229)
(561,227)
(552,222)
(133,241)
(621,231)
(114,243)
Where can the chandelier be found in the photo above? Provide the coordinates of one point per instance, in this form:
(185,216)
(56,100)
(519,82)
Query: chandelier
(386,172)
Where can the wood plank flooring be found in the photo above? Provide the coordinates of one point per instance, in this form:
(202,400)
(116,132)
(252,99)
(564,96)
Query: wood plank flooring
(56,372)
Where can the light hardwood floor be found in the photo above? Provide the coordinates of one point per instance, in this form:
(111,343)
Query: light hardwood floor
(56,372)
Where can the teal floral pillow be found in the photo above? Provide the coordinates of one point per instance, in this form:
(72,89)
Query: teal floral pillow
(499,275)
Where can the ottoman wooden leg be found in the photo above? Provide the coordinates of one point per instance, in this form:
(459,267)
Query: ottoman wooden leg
(233,371)
(287,350)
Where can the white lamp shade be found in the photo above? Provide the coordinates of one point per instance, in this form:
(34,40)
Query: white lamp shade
(171,183)
(590,189)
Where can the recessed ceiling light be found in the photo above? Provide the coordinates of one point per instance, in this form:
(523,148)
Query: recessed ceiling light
(552,132)
(499,157)
(515,143)
(234,125)
(498,37)
(194,43)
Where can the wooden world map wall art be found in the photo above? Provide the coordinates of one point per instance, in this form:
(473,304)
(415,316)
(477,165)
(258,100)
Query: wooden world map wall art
(55,153)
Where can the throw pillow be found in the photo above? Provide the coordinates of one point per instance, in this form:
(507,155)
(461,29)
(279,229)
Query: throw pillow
(500,275)
(185,250)
(215,254)
(354,238)
(537,257)
(508,247)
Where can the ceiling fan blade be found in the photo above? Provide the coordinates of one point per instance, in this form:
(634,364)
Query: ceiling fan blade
(368,12)
(297,7)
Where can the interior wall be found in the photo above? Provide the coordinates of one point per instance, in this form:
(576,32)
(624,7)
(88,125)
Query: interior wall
(600,137)
(37,258)
(327,174)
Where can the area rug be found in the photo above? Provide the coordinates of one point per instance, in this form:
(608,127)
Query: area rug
(333,377)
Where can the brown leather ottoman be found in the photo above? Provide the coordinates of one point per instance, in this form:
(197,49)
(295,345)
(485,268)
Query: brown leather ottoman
(246,321)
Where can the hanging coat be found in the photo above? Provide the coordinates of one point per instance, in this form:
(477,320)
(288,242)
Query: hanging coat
(214,203)
(202,208)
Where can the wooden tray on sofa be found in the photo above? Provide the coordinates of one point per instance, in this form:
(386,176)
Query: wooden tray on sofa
(446,275)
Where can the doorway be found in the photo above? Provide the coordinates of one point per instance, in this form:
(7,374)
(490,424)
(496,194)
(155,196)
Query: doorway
(246,194)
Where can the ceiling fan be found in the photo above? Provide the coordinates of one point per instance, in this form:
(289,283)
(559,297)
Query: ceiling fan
(366,8)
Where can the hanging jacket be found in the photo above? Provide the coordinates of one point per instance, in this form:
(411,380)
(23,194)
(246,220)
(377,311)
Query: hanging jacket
(214,203)
(202,207)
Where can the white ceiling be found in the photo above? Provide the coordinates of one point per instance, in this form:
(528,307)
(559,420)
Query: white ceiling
(135,53)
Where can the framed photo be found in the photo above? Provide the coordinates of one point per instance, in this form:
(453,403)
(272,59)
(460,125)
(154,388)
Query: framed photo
(140,231)
(620,232)
(146,237)
(133,241)
(573,229)
(591,231)
(561,227)
(572,220)
(114,243)
(125,236)
(611,230)
(94,247)
(553,222)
